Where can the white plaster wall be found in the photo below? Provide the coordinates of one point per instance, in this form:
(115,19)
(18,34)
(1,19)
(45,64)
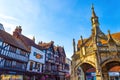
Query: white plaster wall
(33,58)
(28,65)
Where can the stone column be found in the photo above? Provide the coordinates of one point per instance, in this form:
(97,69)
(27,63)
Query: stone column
(98,67)
(98,75)
(105,74)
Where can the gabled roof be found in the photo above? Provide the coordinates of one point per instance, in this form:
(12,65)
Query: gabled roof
(6,37)
(46,45)
(55,48)
(27,41)
(115,36)
(61,50)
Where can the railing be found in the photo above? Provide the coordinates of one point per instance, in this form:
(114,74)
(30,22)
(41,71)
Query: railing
(13,55)
(3,66)
(103,49)
(17,69)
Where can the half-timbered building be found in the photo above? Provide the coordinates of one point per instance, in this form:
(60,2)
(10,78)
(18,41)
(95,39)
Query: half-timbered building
(36,58)
(50,67)
(13,57)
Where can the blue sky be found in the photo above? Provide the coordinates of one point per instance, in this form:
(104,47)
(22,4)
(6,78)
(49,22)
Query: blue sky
(59,20)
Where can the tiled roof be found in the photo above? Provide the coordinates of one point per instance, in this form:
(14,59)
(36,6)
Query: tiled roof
(55,48)
(29,42)
(80,42)
(6,37)
(115,69)
(61,50)
(46,45)
(115,36)
(91,70)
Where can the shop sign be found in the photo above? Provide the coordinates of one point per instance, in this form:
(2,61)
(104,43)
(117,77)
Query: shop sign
(37,55)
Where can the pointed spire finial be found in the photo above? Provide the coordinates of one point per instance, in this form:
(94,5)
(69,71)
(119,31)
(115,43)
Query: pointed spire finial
(110,37)
(108,31)
(92,6)
(74,49)
(81,39)
(93,12)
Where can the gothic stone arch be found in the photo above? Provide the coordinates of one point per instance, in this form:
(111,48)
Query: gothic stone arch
(107,65)
(85,65)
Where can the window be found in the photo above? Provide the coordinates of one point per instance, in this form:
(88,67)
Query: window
(22,53)
(20,65)
(48,66)
(18,51)
(53,67)
(49,55)
(12,49)
(36,66)
(8,63)
(2,61)
(1,42)
(31,65)
(39,67)
(13,64)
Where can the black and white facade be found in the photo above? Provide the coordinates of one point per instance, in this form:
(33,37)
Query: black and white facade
(13,57)
(36,57)
(36,61)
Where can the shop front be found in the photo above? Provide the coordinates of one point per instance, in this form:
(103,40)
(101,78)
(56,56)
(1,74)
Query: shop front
(114,75)
(61,76)
(91,76)
(11,77)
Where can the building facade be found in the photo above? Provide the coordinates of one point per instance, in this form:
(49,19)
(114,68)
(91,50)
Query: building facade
(50,66)
(67,68)
(13,57)
(54,67)
(36,58)
(61,68)
(98,56)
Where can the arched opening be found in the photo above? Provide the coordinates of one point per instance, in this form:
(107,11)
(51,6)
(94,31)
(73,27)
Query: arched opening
(89,71)
(114,70)
(111,70)
(80,73)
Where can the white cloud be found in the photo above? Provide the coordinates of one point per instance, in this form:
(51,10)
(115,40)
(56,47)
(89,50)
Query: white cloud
(9,22)
(9,27)
(8,17)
